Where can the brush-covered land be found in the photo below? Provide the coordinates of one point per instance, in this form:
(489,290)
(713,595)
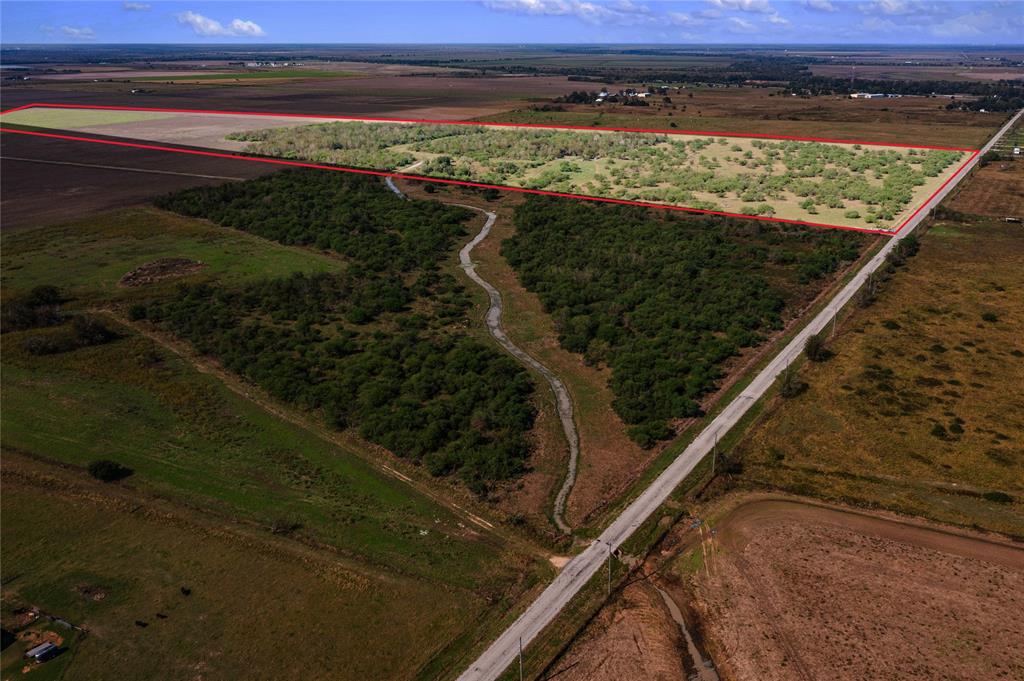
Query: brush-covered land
(665,300)
(375,347)
(843,184)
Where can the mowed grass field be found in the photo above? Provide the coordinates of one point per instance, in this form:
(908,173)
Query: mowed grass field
(253,601)
(69,119)
(287,541)
(88,257)
(920,410)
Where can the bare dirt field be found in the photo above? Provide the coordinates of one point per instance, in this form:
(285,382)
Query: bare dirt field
(378,94)
(796,591)
(127,74)
(996,190)
(766,111)
(47,180)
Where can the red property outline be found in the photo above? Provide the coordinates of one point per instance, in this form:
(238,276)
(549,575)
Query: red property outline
(523,190)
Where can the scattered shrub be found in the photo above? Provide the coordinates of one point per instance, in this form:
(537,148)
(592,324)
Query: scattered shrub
(790,385)
(815,349)
(109,471)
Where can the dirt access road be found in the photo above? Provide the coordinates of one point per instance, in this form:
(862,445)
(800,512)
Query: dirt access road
(580,569)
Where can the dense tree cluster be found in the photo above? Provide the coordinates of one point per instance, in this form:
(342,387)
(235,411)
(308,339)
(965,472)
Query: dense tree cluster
(998,95)
(39,307)
(376,347)
(663,301)
(84,331)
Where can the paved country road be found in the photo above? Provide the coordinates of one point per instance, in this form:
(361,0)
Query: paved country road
(580,569)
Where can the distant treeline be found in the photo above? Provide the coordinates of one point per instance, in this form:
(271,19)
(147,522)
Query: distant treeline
(377,347)
(991,95)
(661,299)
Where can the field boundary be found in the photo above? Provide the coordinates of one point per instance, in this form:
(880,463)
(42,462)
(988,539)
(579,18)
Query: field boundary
(480,185)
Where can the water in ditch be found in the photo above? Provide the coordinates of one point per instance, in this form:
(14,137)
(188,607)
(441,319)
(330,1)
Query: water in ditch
(702,668)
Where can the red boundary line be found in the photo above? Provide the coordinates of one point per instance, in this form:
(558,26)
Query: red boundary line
(709,133)
(936,192)
(379,173)
(479,185)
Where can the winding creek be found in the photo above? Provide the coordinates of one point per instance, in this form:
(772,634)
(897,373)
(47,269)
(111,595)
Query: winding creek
(492,319)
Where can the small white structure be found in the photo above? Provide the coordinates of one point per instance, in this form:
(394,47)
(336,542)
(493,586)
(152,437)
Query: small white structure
(42,652)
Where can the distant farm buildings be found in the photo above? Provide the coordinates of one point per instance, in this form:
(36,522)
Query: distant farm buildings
(873,95)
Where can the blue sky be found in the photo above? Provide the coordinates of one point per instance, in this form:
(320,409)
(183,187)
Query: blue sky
(984,22)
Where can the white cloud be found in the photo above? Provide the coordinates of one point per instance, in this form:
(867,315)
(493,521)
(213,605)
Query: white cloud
(72,32)
(778,19)
(618,12)
(876,25)
(248,28)
(137,6)
(821,5)
(737,25)
(629,6)
(901,7)
(893,6)
(683,19)
(761,6)
(978,23)
(205,26)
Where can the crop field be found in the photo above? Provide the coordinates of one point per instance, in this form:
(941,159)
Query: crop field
(848,185)
(254,423)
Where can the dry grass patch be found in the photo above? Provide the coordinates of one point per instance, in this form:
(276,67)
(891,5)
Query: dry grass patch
(996,190)
(920,409)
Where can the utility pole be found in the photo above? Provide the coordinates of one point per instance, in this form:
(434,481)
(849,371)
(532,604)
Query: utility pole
(520,658)
(714,455)
(609,571)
